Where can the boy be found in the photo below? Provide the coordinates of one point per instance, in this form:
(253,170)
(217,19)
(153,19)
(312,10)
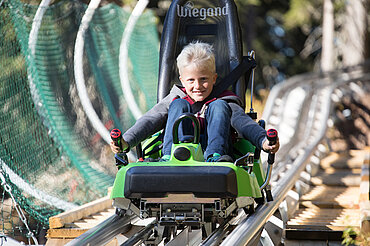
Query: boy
(197,69)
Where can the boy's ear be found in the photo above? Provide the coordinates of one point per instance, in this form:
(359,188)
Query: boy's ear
(215,78)
(181,81)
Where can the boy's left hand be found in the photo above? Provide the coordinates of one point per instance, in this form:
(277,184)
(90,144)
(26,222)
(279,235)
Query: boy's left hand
(271,148)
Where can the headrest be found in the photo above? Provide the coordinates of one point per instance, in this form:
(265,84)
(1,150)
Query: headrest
(212,21)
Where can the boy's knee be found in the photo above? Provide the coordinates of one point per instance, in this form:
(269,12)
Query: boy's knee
(219,106)
(180,103)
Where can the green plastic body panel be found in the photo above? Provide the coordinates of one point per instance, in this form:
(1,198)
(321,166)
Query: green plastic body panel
(248,184)
(147,142)
(244,146)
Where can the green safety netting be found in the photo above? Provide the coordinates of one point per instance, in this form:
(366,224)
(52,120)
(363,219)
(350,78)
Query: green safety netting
(50,154)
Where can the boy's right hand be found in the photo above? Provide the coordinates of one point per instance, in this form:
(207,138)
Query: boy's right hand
(116,149)
(271,148)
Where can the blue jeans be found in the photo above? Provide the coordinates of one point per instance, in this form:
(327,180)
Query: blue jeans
(216,137)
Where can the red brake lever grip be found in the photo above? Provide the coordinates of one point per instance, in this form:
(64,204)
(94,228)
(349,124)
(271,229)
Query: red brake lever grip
(116,137)
(271,137)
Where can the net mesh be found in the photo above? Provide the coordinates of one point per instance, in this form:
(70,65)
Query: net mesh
(50,155)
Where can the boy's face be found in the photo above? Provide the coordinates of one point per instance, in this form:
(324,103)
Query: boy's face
(198,82)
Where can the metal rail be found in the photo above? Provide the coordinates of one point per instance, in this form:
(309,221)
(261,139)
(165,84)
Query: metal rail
(306,129)
(105,231)
(139,235)
(218,234)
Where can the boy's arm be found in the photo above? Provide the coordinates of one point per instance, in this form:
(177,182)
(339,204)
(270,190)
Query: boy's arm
(152,121)
(250,130)
(246,127)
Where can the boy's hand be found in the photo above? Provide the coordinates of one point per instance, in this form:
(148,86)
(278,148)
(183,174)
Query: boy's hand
(116,149)
(271,148)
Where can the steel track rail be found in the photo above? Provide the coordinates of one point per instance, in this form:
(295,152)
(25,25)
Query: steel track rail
(218,234)
(105,231)
(139,235)
(303,143)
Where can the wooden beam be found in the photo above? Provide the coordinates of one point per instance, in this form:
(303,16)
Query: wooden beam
(65,233)
(85,210)
(57,242)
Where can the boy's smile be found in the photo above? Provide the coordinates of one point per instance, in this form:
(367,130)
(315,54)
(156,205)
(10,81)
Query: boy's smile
(198,81)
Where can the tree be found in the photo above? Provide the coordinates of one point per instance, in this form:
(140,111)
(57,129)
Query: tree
(327,63)
(270,28)
(355,33)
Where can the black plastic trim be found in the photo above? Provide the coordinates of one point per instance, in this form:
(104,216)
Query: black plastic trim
(157,181)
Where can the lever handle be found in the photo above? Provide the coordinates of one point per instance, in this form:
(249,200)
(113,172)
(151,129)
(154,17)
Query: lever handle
(271,137)
(116,137)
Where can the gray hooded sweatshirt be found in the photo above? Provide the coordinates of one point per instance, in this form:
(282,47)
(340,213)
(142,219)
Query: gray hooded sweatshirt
(155,120)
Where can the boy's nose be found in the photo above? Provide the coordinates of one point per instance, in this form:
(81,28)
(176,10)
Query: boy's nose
(196,84)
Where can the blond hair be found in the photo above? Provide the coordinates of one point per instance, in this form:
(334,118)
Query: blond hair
(198,53)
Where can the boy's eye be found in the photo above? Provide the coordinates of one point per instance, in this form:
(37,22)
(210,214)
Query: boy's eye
(203,79)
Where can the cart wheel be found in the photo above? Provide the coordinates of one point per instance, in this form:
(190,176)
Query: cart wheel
(260,200)
(249,209)
(120,212)
(269,197)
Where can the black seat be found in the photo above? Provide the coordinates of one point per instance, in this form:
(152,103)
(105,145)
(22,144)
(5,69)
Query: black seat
(212,21)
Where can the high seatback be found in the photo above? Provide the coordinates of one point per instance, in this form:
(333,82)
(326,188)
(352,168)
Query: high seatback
(212,21)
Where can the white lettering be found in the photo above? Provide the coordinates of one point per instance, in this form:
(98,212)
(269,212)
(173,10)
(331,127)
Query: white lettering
(195,12)
(189,11)
(202,13)
(224,10)
(209,12)
(218,11)
(180,14)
